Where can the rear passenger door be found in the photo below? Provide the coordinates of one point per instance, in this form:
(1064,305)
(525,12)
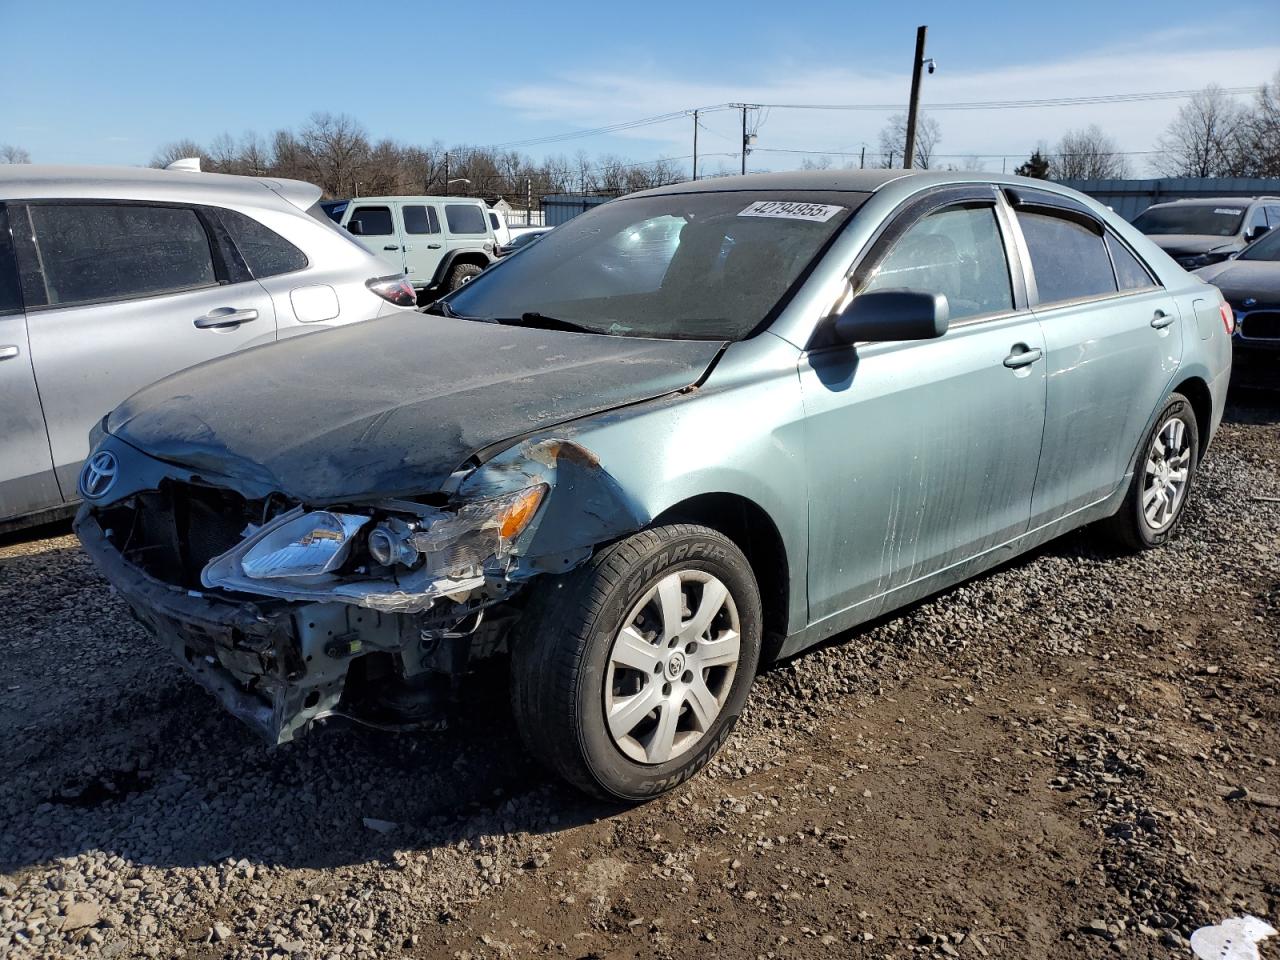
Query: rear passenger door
(423,242)
(119,294)
(1113,343)
(378,232)
(26,465)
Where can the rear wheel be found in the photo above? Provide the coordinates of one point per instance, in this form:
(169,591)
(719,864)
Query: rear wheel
(1162,480)
(461,274)
(629,673)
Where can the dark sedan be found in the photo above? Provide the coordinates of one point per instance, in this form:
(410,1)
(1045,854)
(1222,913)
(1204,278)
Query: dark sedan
(1250,282)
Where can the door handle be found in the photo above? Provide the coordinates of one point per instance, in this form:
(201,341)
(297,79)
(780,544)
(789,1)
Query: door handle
(1022,358)
(434,246)
(1161,320)
(8,352)
(390,246)
(225,317)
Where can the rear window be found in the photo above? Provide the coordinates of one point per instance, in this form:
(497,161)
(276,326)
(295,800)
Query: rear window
(466,218)
(493,221)
(374,221)
(93,252)
(1197,219)
(265,252)
(334,209)
(1069,259)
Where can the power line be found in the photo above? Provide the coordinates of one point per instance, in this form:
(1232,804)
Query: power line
(871,107)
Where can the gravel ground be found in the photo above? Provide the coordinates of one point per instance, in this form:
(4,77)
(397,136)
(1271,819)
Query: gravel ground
(1072,756)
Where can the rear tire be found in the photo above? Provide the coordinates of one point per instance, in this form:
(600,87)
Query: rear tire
(1162,481)
(461,274)
(628,674)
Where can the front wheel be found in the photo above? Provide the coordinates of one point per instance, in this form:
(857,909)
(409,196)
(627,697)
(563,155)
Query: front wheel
(629,673)
(462,274)
(1162,480)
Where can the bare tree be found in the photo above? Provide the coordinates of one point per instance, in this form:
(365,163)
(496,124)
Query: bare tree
(12,154)
(816,163)
(335,148)
(1259,149)
(178,150)
(1204,138)
(1087,154)
(893,140)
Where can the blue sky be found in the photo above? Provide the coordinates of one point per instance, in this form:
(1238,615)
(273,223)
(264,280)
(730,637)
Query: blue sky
(108,82)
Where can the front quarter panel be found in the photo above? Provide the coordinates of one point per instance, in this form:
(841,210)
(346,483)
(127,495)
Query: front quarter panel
(738,433)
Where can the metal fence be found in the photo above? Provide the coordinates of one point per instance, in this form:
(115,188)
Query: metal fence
(1130,197)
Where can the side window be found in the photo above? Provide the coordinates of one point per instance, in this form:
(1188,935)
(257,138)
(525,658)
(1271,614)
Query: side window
(1130,273)
(493,221)
(10,289)
(465,218)
(108,251)
(417,220)
(957,251)
(374,221)
(265,252)
(1273,217)
(1069,259)
(1257,218)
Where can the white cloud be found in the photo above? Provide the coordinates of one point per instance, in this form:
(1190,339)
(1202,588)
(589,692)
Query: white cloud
(1172,60)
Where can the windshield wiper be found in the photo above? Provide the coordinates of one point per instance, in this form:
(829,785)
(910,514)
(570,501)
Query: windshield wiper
(542,322)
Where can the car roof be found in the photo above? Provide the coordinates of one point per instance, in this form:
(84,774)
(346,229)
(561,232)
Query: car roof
(412,198)
(27,181)
(1205,201)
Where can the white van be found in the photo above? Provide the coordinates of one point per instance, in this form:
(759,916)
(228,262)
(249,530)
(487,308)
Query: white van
(437,242)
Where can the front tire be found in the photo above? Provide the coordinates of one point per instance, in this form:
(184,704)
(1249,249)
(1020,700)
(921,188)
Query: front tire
(629,673)
(1162,479)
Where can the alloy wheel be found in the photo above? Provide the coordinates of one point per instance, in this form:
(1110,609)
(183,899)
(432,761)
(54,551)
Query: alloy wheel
(1166,474)
(672,666)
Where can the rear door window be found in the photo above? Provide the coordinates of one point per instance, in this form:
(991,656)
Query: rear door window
(419,219)
(374,221)
(93,252)
(1130,273)
(1069,258)
(957,251)
(265,252)
(465,218)
(10,288)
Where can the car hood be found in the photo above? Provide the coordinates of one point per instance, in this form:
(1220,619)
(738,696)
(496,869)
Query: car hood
(391,407)
(1240,279)
(1188,244)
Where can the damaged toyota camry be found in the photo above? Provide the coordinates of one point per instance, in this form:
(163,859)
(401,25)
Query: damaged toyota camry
(689,432)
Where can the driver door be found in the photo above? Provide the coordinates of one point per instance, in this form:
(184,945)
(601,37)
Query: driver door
(923,454)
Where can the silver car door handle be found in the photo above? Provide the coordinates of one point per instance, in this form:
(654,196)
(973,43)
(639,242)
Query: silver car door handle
(1022,358)
(225,317)
(1161,319)
(8,352)
(390,246)
(434,246)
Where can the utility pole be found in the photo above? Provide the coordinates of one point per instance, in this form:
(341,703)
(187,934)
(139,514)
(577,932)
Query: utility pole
(446,173)
(695,144)
(744,138)
(862,158)
(528,201)
(913,108)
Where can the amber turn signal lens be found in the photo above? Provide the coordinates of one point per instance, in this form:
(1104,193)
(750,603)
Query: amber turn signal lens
(521,510)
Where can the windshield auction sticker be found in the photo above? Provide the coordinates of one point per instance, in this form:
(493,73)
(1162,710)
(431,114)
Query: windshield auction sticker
(792,210)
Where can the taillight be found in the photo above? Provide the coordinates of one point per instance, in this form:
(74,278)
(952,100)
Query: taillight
(1228,318)
(394,289)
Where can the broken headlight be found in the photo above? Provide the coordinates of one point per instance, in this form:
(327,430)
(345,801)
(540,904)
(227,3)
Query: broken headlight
(457,544)
(306,546)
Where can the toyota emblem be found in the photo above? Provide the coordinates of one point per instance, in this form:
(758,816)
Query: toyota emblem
(99,475)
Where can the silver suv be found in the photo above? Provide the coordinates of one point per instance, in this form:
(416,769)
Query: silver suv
(436,242)
(113,278)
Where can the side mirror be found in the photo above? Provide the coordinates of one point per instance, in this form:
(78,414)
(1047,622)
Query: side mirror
(893,315)
(1254,232)
(355,228)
